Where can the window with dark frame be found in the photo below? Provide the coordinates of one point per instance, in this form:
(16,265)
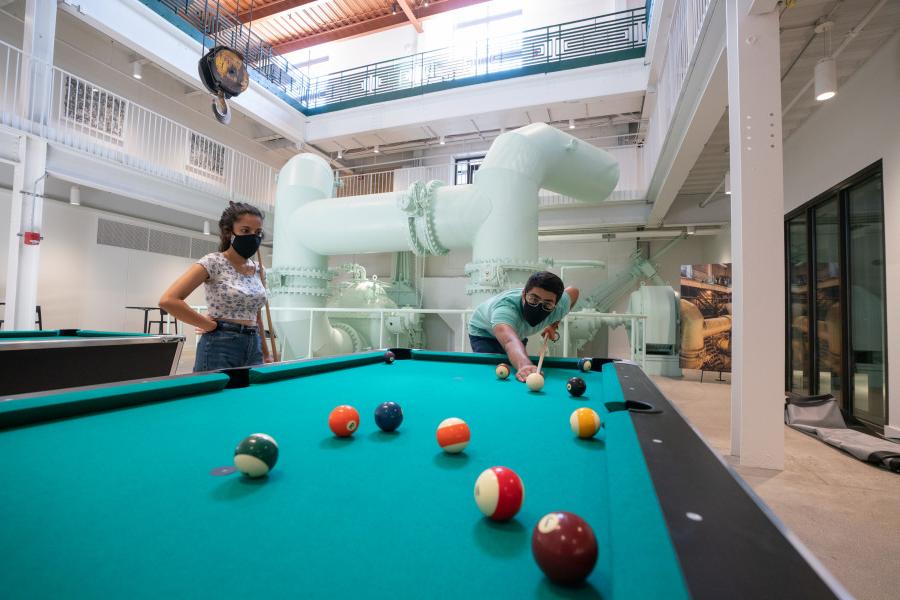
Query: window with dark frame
(466,168)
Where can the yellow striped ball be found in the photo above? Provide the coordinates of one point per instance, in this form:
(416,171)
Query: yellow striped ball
(585,422)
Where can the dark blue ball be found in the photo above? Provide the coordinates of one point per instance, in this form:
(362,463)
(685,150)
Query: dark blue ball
(584,365)
(388,416)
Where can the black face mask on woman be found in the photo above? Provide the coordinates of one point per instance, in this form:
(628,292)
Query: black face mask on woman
(246,245)
(533,314)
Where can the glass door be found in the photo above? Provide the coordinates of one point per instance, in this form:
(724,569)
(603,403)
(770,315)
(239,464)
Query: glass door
(835,297)
(798,306)
(865,262)
(827,260)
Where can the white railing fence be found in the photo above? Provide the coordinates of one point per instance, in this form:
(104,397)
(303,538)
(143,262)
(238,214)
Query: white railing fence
(71,111)
(686,25)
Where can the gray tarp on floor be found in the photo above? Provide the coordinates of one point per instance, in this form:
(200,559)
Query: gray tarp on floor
(820,416)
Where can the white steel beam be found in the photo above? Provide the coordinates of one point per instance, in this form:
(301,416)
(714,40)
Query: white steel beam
(26,206)
(757,236)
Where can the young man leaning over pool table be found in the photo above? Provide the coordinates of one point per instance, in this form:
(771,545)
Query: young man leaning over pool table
(502,324)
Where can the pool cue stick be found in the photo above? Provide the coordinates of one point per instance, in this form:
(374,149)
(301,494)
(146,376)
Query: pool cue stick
(262,277)
(543,352)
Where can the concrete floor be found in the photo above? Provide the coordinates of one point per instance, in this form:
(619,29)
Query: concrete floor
(845,511)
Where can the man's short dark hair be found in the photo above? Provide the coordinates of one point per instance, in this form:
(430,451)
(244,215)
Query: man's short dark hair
(547,281)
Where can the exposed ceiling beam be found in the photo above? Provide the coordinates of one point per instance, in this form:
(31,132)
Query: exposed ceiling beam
(269,10)
(407,10)
(370,26)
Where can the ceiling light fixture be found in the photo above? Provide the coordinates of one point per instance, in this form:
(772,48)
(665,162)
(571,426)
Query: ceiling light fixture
(75,195)
(691,230)
(340,154)
(443,140)
(728,182)
(375,149)
(571,123)
(394,8)
(205,227)
(137,70)
(826,68)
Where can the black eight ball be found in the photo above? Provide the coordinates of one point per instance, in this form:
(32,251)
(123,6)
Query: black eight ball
(576,386)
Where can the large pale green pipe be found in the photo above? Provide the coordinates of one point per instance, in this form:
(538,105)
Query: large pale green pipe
(497,216)
(299,276)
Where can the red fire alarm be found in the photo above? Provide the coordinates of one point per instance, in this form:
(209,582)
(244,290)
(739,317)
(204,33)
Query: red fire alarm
(32,238)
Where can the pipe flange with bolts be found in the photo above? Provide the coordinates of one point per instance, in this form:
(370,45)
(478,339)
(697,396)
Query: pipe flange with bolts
(491,276)
(418,204)
(284,280)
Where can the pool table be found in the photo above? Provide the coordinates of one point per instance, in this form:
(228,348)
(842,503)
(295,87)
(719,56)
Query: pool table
(32,361)
(115,491)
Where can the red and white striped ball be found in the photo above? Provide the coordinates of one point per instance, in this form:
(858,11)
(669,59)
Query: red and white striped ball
(499,493)
(453,435)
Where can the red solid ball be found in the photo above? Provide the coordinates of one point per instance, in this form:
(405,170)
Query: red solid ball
(564,547)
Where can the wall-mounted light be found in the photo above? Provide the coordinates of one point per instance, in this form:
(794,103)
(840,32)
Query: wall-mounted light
(691,230)
(75,195)
(571,123)
(394,8)
(376,149)
(443,140)
(425,3)
(137,70)
(205,227)
(728,182)
(340,154)
(826,68)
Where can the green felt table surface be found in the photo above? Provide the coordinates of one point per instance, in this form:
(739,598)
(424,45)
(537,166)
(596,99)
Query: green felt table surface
(121,503)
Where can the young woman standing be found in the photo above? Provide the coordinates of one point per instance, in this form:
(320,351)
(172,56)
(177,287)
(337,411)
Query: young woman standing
(234,294)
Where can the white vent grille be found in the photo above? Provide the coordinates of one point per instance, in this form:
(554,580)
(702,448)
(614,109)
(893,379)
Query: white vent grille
(123,235)
(163,242)
(200,248)
(135,237)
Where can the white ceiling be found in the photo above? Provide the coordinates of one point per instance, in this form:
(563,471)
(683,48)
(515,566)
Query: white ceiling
(801,48)
(586,112)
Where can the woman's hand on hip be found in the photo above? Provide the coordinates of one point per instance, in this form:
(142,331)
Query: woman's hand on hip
(209,325)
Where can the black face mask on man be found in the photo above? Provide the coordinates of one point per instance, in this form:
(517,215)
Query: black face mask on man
(533,314)
(246,245)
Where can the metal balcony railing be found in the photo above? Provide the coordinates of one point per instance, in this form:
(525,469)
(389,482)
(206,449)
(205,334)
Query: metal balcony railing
(608,38)
(86,117)
(596,40)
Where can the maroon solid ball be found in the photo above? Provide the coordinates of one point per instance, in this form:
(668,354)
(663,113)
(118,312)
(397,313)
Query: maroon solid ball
(564,547)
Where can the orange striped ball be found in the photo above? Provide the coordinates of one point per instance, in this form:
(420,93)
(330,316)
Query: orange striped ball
(453,435)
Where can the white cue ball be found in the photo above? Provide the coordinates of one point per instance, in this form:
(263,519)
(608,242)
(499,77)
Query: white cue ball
(535,382)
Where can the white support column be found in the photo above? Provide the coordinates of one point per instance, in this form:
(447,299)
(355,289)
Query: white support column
(757,237)
(28,179)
